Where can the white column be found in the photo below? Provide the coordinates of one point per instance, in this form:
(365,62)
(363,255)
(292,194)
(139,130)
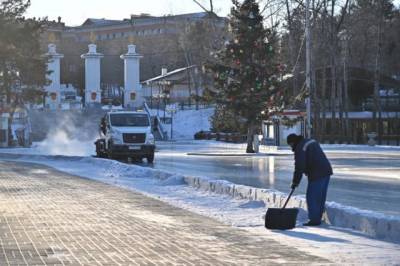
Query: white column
(53,98)
(133,94)
(92,75)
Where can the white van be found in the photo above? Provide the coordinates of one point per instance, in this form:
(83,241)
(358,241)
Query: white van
(126,134)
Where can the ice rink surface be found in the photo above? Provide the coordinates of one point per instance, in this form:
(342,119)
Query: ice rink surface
(364,177)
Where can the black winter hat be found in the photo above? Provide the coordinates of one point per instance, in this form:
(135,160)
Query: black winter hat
(294,140)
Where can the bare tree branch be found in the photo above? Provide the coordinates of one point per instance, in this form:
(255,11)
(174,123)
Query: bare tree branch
(211,11)
(342,15)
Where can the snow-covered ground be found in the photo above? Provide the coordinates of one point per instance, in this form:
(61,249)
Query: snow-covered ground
(339,245)
(187,122)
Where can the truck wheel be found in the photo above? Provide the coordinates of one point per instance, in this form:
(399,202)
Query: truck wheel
(109,153)
(150,158)
(100,149)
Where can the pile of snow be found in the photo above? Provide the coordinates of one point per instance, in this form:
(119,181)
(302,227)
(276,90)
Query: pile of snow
(188,122)
(364,149)
(371,223)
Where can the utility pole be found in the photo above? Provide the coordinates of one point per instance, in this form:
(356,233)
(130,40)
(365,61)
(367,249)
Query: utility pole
(308,69)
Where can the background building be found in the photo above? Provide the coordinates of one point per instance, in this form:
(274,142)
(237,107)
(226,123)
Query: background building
(161,41)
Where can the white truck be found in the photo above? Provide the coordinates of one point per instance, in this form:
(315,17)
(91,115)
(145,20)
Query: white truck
(126,134)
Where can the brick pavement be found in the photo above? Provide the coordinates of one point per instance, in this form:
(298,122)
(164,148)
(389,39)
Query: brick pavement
(52,218)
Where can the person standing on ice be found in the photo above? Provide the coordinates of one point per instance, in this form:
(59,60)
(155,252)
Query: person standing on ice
(311,161)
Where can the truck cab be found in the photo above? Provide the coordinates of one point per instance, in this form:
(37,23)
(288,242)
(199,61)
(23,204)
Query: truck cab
(126,134)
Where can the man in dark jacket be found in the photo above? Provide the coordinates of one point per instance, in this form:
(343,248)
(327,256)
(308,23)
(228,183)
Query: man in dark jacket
(311,161)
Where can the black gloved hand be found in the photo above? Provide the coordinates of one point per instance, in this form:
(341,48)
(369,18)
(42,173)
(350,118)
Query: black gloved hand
(294,185)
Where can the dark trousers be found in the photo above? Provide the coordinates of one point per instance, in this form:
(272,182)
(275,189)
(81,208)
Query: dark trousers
(316,197)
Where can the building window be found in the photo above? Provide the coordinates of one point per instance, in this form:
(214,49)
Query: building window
(53,96)
(72,68)
(122,34)
(108,36)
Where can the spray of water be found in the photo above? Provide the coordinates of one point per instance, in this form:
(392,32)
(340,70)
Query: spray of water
(71,135)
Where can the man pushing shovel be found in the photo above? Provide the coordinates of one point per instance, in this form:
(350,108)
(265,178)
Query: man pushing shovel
(311,161)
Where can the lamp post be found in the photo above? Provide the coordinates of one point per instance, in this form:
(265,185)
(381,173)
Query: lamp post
(172,109)
(165,99)
(165,93)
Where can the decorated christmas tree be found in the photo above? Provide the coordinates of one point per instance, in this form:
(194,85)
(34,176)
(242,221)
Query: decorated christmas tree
(246,71)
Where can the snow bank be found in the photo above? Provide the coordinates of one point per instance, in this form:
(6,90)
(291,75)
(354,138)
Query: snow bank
(173,181)
(187,122)
(371,223)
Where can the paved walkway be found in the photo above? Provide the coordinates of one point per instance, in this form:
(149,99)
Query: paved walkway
(52,218)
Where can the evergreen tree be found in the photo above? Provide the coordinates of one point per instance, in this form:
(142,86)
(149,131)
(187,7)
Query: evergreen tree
(22,66)
(225,121)
(246,71)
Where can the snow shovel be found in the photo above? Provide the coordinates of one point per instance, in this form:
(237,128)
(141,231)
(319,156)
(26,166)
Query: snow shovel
(282,219)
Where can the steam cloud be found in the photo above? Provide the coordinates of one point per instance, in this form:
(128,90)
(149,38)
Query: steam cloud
(71,134)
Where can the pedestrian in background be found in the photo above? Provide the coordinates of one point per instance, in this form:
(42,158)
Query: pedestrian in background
(311,161)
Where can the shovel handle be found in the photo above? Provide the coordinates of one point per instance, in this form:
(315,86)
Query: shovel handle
(288,198)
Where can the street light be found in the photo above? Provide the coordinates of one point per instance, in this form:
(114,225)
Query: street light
(165,94)
(165,97)
(172,109)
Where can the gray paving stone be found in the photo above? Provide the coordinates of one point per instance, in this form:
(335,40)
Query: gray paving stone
(52,218)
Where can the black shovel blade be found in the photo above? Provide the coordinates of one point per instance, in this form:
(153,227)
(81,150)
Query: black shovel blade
(282,219)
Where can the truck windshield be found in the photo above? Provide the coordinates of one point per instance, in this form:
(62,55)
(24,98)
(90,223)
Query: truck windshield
(129,120)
